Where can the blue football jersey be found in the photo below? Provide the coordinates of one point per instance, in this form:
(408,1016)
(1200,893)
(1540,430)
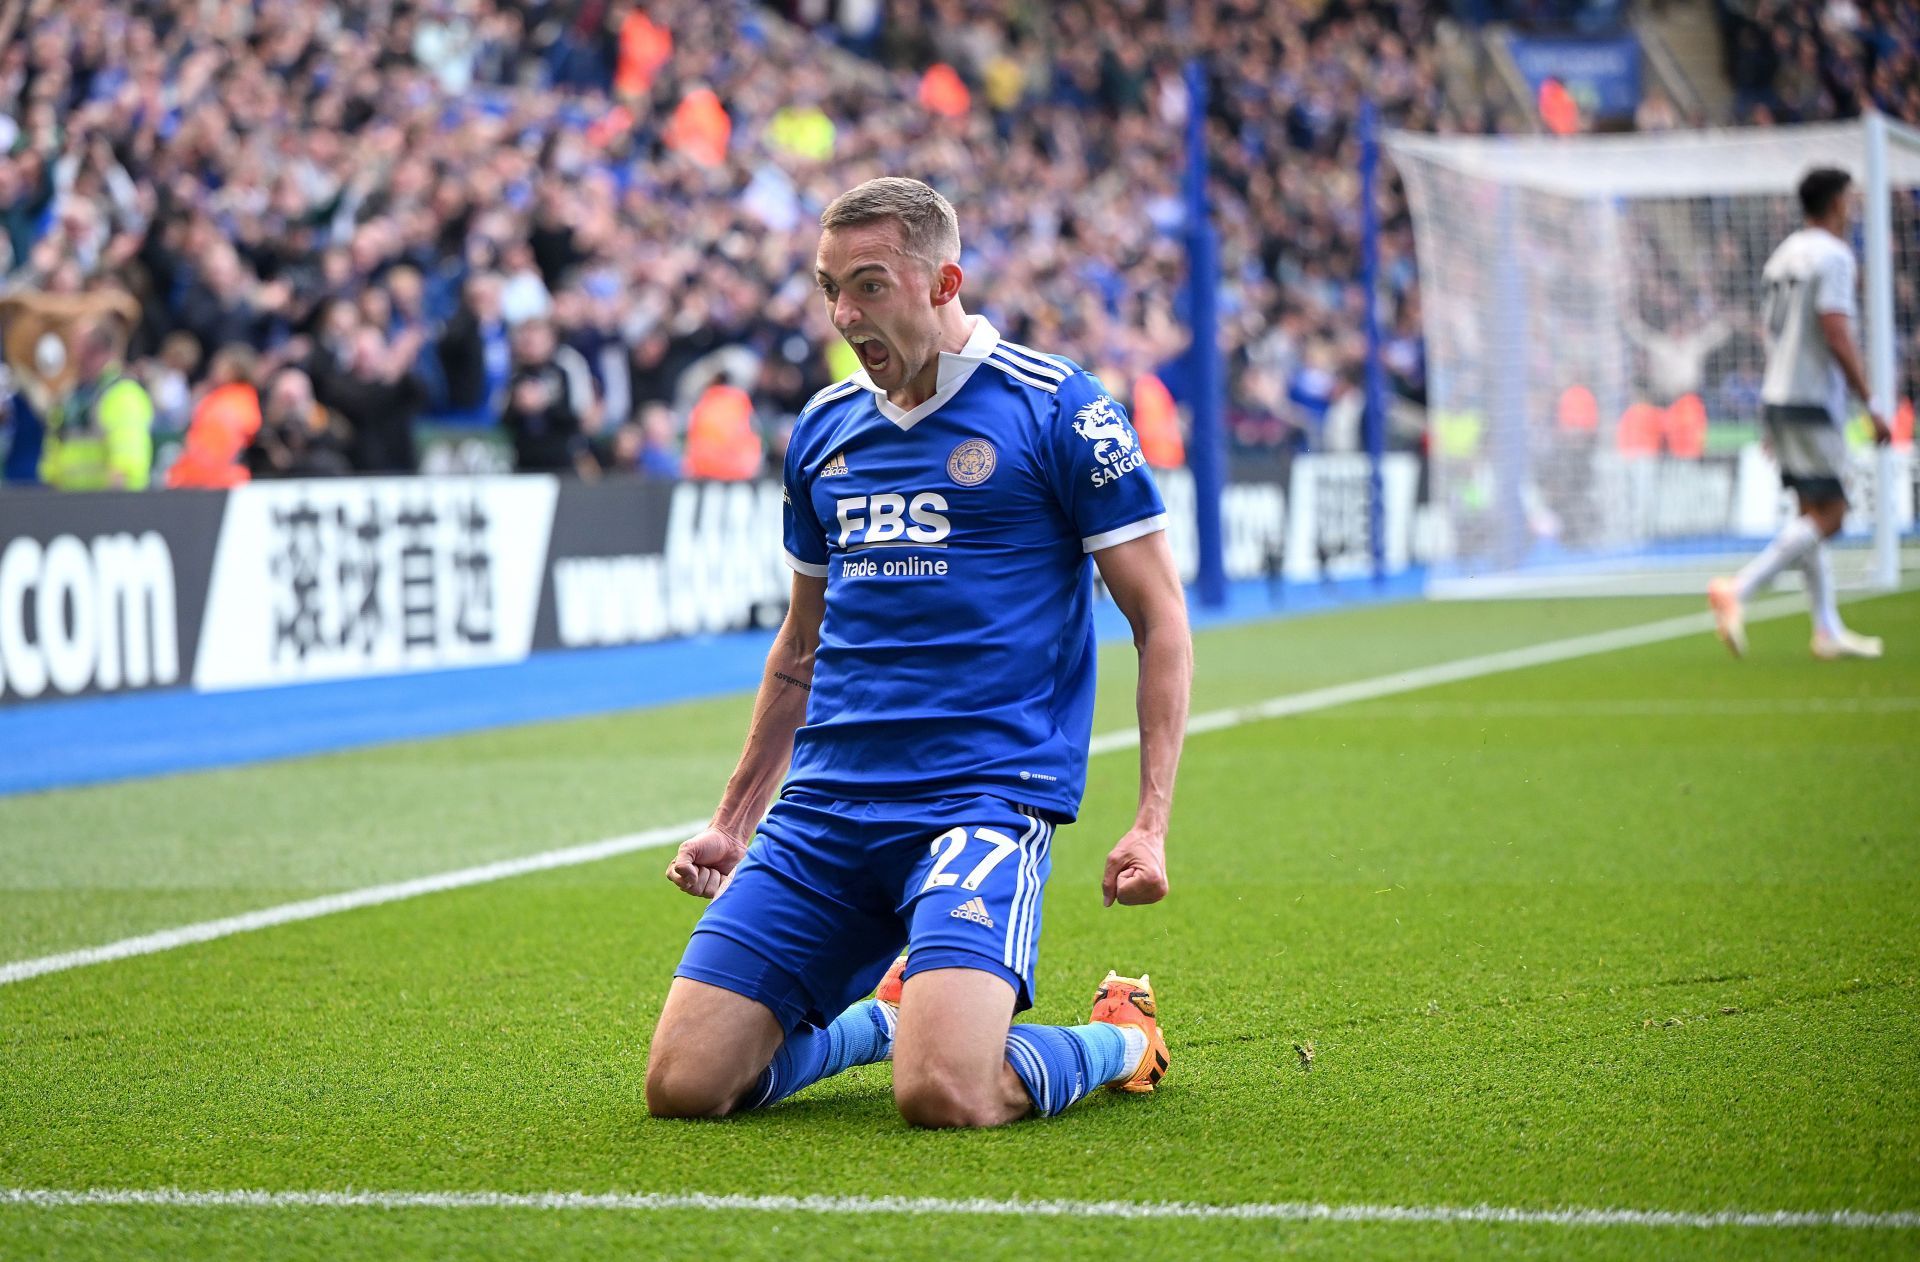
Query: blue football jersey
(957,651)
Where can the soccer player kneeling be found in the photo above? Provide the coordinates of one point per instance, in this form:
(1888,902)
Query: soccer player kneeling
(928,705)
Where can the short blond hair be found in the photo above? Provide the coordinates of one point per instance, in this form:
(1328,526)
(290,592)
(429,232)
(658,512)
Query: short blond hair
(928,226)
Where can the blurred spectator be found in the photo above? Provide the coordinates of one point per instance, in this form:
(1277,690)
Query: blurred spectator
(643,49)
(224,424)
(595,355)
(1558,108)
(542,414)
(723,444)
(1157,421)
(168,378)
(100,437)
(225,305)
(26,189)
(1656,112)
(297,437)
(523,293)
(475,352)
(408,319)
(22,435)
(374,392)
(649,446)
(1676,357)
(942,92)
(700,129)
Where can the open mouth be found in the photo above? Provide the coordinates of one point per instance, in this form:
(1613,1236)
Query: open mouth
(873,353)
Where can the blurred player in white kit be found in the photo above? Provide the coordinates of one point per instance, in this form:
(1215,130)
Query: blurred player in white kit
(1812,363)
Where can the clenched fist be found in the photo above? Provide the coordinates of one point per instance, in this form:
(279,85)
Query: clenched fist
(1136,870)
(705,861)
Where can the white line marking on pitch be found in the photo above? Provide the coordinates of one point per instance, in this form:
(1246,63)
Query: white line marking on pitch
(673,834)
(327,905)
(1282,1211)
(1455,671)
(1648,708)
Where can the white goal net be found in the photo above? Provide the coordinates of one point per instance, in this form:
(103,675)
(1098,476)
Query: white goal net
(1593,315)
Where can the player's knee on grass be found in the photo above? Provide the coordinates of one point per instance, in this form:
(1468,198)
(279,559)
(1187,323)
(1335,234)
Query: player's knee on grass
(681,1083)
(960,1082)
(708,1050)
(941,1098)
(950,1054)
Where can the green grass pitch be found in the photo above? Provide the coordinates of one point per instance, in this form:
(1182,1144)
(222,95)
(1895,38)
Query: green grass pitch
(1638,931)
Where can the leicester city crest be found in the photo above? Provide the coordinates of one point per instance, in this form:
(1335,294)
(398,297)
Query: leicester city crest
(972,462)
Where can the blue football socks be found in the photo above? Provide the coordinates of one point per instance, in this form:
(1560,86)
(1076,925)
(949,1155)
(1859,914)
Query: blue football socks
(862,1035)
(1058,1064)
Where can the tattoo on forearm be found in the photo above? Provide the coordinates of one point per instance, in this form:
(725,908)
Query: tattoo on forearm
(783,677)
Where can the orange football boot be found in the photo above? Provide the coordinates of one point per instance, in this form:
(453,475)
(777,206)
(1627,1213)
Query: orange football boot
(1124,1001)
(1729,616)
(888,991)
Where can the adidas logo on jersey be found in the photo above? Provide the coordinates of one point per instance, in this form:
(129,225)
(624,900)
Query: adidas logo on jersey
(836,467)
(973,909)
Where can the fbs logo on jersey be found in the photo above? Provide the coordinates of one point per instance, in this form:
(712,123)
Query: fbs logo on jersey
(1114,446)
(973,909)
(888,520)
(836,467)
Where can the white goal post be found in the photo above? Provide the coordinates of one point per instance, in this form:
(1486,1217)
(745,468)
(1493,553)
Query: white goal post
(1592,309)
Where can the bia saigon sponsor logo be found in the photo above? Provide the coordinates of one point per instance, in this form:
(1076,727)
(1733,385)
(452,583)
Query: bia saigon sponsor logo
(1114,446)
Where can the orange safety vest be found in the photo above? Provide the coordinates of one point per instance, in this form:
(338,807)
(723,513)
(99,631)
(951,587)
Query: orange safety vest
(644,48)
(1558,110)
(1157,420)
(943,92)
(1639,432)
(222,426)
(1686,427)
(722,445)
(700,128)
(1579,411)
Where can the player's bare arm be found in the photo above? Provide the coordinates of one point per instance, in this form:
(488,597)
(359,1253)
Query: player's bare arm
(1144,583)
(703,862)
(1838,331)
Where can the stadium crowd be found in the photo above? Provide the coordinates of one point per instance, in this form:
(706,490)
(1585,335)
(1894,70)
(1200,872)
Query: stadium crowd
(585,221)
(590,222)
(1799,61)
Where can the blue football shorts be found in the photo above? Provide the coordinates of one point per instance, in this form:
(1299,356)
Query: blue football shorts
(830,891)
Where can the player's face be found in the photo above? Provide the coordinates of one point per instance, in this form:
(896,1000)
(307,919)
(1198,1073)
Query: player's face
(881,300)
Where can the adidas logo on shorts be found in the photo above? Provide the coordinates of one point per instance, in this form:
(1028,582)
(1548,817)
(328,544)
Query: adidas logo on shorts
(975,910)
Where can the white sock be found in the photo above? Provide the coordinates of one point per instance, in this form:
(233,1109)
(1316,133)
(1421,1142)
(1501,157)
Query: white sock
(1821,598)
(1136,1048)
(1794,541)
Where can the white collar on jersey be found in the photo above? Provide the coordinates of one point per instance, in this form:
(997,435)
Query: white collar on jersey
(953,373)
